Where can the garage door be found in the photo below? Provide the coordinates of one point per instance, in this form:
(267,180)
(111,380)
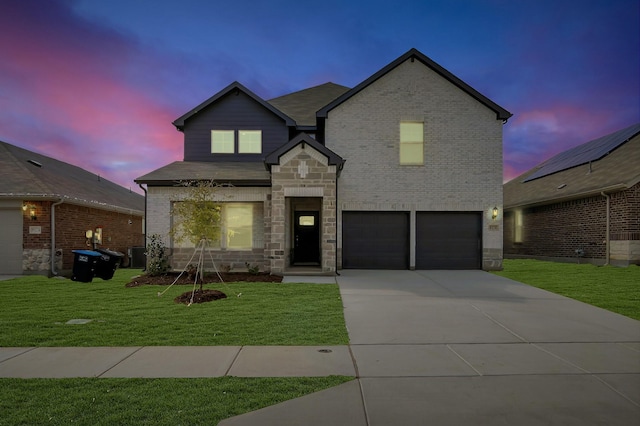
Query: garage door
(448,240)
(375,240)
(10,240)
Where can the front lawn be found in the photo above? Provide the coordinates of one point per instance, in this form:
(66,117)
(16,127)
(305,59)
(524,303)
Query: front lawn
(35,311)
(146,401)
(612,288)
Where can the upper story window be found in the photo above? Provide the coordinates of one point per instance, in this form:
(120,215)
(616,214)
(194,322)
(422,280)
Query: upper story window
(224,141)
(249,141)
(411,143)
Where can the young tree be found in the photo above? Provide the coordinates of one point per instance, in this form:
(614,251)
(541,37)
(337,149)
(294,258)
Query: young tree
(197,218)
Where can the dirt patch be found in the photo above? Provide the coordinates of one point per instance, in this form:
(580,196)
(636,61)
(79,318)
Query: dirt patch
(199,296)
(227,277)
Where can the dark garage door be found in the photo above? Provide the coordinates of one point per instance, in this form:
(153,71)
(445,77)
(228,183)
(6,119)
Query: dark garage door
(448,240)
(375,240)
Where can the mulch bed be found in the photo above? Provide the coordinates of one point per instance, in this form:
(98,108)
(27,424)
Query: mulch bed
(199,296)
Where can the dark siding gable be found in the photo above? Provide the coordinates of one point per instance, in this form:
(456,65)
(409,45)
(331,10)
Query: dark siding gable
(233,111)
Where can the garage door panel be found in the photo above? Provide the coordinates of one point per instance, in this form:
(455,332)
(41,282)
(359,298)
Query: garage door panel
(375,240)
(11,241)
(448,240)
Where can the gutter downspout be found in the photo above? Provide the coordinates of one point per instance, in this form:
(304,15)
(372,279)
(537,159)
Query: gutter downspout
(607,237)
(145,221)
(53,236)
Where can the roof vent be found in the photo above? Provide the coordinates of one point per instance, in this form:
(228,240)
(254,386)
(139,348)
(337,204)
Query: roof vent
(35,163)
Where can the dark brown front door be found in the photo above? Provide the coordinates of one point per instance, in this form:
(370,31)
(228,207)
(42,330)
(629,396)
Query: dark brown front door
(306,238)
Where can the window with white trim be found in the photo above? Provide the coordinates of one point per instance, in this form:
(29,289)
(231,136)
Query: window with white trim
(238,226)
(241,227)
(222,142)
(411,143)
(250,141)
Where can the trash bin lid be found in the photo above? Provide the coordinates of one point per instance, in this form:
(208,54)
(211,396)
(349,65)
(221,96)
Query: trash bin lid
(87,252)
(110,252)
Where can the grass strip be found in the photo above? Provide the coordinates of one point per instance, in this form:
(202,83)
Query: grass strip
(608,287)
(95,401)
(35,311)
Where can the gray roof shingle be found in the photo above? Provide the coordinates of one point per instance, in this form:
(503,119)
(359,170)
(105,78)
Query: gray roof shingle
(303,105)
(27,174)
(235,173)
(617,170)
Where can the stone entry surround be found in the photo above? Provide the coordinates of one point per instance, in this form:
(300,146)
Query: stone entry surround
(302,172)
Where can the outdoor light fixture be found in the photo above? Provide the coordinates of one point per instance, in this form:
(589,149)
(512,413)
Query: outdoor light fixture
(32,210)
(494,214)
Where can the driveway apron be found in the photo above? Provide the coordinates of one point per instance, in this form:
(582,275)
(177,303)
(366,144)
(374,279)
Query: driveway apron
(469,347)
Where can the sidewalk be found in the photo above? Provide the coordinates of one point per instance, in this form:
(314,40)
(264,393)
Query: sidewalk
(436,347)
(174,361)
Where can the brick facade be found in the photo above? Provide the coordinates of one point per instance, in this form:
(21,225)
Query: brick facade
(463,152)
(159,200)
(120,232)
(576,229)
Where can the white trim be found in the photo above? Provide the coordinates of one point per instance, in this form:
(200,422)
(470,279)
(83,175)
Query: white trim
(304,192)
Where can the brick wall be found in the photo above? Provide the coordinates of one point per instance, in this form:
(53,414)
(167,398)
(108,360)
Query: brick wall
(121,231)
(625,214)
(558,230)
(463,151)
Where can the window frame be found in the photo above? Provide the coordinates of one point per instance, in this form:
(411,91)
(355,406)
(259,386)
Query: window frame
(225,132)
(518,226)
(243,150)
(407,143)
(226,234)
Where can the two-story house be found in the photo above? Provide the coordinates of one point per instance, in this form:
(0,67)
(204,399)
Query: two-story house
(403,171)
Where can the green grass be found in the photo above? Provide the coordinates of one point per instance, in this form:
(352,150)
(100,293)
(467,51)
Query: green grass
(35,310)
(146,401)
(608,287)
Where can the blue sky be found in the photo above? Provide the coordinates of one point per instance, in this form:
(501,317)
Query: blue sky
(97,83)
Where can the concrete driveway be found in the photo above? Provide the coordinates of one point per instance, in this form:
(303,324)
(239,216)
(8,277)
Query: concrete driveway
(468,347)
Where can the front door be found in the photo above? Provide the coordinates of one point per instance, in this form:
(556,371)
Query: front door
(306,238)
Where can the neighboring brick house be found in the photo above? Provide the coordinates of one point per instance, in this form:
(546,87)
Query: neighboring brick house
(582,205)
(404,171)
(47,206)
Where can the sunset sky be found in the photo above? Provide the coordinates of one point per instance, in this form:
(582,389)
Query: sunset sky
(97,83)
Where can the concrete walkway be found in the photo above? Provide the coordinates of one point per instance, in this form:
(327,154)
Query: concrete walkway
(436,347)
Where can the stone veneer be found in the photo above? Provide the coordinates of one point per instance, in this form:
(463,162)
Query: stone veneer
(302,173)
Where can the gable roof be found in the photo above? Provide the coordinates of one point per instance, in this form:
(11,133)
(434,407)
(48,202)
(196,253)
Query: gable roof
(235,173)
(414,54)
(302,105)
(27,174)
(303,138)
(179,122)
(614,171)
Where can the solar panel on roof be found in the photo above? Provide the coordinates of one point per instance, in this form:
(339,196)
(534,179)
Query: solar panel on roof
(585,153)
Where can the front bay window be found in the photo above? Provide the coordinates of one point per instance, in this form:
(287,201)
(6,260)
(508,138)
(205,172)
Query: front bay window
(241,228)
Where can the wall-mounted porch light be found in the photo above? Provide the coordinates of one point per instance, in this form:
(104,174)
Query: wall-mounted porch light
(32,211)
(494,213)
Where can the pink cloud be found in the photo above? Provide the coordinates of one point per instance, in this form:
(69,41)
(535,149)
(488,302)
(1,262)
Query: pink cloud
(87,112)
